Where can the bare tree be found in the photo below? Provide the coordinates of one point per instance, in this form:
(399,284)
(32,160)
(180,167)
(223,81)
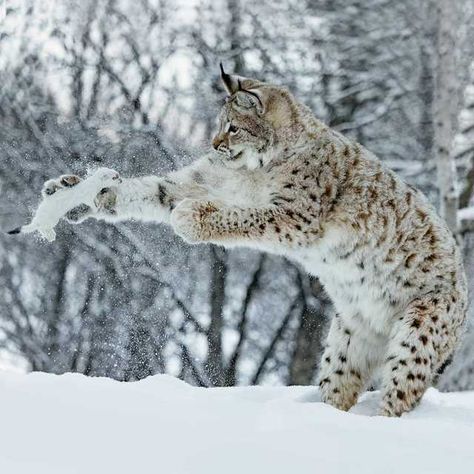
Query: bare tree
(445,112)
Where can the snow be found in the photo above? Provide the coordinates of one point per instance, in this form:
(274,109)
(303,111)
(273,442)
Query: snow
(75,424)
(466,213)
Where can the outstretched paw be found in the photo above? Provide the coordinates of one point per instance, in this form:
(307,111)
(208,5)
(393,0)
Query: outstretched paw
(188,219)
(64,181)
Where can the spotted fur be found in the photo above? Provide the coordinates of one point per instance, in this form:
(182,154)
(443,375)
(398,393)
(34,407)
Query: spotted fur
(283,182)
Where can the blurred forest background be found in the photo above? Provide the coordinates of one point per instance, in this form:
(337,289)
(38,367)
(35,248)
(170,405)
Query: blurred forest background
(133,85)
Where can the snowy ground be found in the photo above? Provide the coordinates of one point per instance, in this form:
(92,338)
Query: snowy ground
(73,424)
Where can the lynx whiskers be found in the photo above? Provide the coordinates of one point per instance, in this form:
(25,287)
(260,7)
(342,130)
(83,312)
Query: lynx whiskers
(281,181)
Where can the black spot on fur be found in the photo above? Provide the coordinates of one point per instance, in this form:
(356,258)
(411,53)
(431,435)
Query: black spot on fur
(400,395)
(443,367)
(415,323)
(161,194)
(355,373)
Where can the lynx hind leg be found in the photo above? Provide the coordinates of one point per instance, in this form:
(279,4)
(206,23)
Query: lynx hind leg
(69,180)
(421,342)
(53,185)
(79,213)
(344,369)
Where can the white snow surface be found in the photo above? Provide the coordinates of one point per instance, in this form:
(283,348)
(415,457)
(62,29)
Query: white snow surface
(75,424)
(466,213)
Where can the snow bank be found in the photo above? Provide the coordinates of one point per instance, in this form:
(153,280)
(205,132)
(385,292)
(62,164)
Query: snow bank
(73,424)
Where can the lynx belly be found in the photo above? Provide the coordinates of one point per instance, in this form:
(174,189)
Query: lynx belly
(361,295)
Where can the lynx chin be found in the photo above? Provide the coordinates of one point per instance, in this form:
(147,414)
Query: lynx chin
(281,181)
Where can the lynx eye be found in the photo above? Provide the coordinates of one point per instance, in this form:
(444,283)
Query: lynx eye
(233,129)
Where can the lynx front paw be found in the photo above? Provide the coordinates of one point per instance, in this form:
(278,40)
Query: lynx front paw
(53,185)
(188,220)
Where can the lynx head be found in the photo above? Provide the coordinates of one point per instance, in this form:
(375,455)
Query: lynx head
(256,119)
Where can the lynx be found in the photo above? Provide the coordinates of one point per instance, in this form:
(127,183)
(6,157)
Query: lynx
(281,181)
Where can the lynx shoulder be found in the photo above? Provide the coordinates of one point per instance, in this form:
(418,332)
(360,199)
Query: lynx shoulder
(386,259)
(281,181)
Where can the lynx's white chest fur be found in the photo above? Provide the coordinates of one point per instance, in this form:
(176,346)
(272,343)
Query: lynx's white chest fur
(283,182)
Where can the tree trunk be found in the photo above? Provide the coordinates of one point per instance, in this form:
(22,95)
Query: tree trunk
(445,112)
(215,365)
(309,336)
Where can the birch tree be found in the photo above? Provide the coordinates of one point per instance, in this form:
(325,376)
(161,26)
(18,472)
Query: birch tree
(445,110)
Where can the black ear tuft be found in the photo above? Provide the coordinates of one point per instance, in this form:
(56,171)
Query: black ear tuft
(230,82)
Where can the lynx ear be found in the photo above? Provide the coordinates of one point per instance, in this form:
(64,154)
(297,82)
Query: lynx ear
(241,88)
(231,83)
(249,100)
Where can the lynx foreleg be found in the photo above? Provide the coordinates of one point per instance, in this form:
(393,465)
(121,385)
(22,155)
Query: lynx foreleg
(149,198)
(345,367)
(197,221)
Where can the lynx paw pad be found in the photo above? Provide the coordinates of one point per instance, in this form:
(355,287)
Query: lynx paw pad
(53,185)
(69,180)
